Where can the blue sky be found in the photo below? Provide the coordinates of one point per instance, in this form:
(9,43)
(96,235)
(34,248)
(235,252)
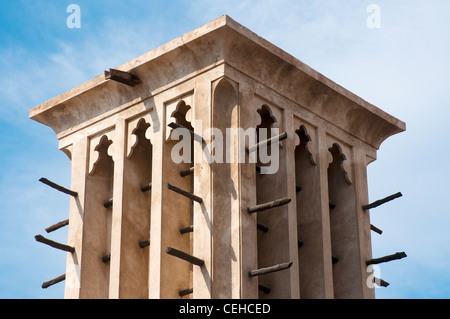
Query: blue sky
(401,67)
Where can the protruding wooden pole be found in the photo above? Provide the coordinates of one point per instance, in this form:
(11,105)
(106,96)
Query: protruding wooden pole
(184,193)
(54,244)
(57,226)
(186,230)
(264,289)
(127,78)
(195,136)
(187,172)
(106,258)
(375,229)
(182,255)
(108,203)
(262,169)
(146,188)
(262,227)
(53,281)
(386,258)
(268,270)
(269,141)
(59,188)
(382,201)
(185,292)
(144,243)
(272,204)
(380,282)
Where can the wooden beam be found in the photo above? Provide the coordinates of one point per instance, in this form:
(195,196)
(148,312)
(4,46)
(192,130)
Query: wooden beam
(182,255)
(386,258)
(187,172)
(268,270)
(57,187)
(382,201)
(127,78)
(53,281)
(185,292)
(375,229)
(108,203)
(264,288)
(51,243)
(268,141)
(184,193)
(272,204)
(262,227)
(146,188)
(106,258)
(195,136)
(144,243)
(57,226)
(380,282)
(186,230)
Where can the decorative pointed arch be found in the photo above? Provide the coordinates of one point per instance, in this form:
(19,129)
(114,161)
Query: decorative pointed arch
(267,119)
(303,139)
(337,153)
(101,150)
(138,131)
(181,114)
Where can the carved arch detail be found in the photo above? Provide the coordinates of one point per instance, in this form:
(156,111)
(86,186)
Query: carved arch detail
(136,125)
(100,146)
(344,161)
(179,112)
(266,117)
(302,136)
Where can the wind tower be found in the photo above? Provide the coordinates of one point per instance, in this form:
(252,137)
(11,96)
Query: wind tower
(143,225)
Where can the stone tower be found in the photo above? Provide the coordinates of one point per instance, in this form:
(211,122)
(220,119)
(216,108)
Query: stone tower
(218,223)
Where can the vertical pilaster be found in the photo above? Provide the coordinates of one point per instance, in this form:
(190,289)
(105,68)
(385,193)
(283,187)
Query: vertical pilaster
(292,208)
(202,214)
(225,191)
(75,233)
(363,219)
(326,289)
(248,254)
(117,211)
(157,205)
